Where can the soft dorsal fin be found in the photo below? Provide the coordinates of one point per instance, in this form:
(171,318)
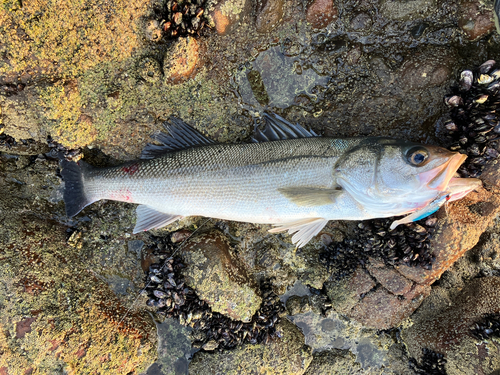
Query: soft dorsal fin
(180,136)
(277,128)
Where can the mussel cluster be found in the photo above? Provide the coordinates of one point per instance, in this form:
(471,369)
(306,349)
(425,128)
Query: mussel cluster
(432,363)
(407,244)
(58,151)
(474,127)
(181,17)
(170,296)
(487,327)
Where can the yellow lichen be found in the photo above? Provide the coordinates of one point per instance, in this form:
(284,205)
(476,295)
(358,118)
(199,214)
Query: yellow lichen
(67,37)
(63,104)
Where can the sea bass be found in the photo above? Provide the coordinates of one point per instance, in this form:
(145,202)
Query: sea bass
(288,177)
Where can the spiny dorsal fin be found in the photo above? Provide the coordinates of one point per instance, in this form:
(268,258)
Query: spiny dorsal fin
(180,136)
(306,196)
(277,128)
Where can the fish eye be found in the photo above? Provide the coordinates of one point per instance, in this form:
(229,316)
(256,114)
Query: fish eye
(417,156)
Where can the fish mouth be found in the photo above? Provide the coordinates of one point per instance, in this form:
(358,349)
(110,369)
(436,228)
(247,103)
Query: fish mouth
(438,178)
(460,187)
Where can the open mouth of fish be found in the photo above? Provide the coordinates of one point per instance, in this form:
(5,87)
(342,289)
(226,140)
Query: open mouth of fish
(443,178)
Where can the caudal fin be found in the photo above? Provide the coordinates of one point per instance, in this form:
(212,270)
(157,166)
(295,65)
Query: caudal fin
(74,190)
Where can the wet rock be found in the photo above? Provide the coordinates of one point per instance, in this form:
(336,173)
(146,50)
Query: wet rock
(449,331)
(345,293)
(381,309)
(424,71)
(285,355)
(402,11)
(219,277)
(269,14)
(390,279)
(227,14)
(321,12)
(182,60)
(361,22)
(456,233)
(475,20)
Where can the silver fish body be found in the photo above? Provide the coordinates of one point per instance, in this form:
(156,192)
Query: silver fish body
(297,184)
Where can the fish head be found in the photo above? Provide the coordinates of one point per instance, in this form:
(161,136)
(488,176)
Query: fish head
(403,175)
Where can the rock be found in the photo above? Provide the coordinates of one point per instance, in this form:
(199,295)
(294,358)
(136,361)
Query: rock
(219,277)
(402,11)
(361,22)
(424,71)
(456,233)
(269,14)
(474,20)
(449,331)
(182,60)
(381,309)
(345,293)
(321,12)
(227,14)
(390,279)
(286,355)
(149,70)
(335,362)
(491,173)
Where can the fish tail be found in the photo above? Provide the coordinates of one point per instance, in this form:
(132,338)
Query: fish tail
(73,175)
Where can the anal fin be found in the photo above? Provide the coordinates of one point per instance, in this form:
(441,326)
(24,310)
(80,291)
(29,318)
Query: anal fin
(304,229)
(148,218)
(306,196)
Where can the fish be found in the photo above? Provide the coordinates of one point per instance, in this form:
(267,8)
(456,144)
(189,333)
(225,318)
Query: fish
(286,176)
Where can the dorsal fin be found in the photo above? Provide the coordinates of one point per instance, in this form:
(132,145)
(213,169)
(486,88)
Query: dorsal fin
(277,128)
(180,136)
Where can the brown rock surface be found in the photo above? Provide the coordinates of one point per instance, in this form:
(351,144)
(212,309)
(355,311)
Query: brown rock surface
(381,309)
(321,12)
(390,279)
(182,60)
(475,21)
(269,14)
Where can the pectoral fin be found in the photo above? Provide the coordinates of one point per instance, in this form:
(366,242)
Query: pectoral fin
(306,196)
(148,218)
(305,229)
